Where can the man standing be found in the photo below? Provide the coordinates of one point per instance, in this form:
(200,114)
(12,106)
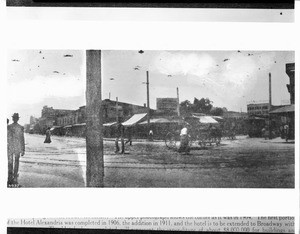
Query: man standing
(120,135)
(16,147)
(184,140)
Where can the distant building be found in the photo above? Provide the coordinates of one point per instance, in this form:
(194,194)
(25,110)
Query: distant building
(290,71)
(69,118)
(109,110)
(33,120)
(49,112)
(234,115)
(49,118)
(125,110)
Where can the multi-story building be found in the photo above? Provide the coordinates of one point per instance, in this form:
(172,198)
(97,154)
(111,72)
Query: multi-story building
(49,117)
(69,118)
(234,115)
(290,71)
(49,112)
(111,109)
(66,118)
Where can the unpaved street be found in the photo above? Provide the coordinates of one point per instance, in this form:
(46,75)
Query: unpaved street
(242,163)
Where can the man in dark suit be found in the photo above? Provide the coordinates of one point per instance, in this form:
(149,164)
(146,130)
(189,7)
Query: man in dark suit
(16,148)
(120,135)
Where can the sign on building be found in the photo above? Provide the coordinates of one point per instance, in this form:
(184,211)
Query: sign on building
(167,104)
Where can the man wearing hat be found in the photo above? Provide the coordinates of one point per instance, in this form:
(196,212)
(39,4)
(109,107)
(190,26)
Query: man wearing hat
(16,147)
(120,135)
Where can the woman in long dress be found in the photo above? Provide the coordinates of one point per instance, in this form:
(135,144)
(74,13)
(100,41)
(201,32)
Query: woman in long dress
(48,134)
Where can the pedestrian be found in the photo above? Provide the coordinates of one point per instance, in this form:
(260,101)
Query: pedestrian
(129,131)
(150,135)
(16,148)
(184,140)
(281,131)
(120,135)
(48,134)
(286,131)
(265,132)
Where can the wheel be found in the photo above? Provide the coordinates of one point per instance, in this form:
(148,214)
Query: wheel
(170,141)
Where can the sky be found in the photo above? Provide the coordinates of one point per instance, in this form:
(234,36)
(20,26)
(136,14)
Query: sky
(230,79)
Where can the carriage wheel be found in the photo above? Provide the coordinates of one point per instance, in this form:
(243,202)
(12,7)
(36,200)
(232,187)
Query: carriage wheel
(170,141)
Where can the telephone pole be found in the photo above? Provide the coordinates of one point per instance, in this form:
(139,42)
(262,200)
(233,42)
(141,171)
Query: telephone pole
(270,105)
(94,121)
(117,110)
(178,105)
(148,102)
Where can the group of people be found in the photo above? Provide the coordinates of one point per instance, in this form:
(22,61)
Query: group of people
(121,137)
(121,132)
(284,132)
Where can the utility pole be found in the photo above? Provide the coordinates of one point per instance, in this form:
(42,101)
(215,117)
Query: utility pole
(148,102)
(94,121)
(117,110)
(178,105)
(270,105)
(109,95)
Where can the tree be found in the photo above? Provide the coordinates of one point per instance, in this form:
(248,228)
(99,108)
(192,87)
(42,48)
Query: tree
(202,106)
(217,111)
(185,107)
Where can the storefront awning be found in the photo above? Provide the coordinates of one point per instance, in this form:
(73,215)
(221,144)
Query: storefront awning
(206,119)
(134,119)
(68,126)
(109,124)
(217,117)
(160,120)
(80,124)
(55,127)
(285,109)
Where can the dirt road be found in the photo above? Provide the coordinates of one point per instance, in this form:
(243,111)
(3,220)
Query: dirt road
(242,163)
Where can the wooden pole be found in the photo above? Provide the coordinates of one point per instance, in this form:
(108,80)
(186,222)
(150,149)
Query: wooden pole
(148,102)
(117,109)
(178,104)
(94,121)
(270,105)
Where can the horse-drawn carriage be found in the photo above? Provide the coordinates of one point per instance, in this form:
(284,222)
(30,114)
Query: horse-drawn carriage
(202,131)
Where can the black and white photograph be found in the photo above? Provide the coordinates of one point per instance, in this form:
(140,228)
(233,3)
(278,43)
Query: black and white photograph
(151,118)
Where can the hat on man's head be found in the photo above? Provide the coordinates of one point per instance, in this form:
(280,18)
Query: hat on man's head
(16,115)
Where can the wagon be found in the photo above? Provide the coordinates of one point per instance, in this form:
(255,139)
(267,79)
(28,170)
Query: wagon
(201,134)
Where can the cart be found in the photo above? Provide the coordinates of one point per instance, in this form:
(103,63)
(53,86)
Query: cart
(200,134)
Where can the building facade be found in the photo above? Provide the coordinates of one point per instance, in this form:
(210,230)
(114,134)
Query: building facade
(112,109)
(290,71)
